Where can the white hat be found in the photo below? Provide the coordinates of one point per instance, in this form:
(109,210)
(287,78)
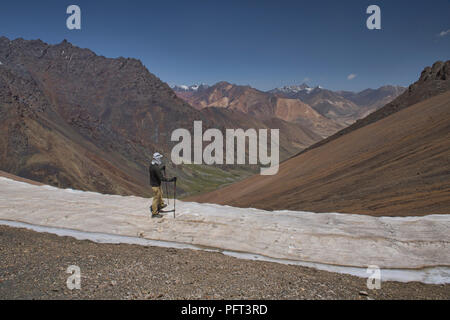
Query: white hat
(157,155)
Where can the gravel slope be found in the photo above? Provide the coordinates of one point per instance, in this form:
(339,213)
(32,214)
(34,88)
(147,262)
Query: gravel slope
(33,266)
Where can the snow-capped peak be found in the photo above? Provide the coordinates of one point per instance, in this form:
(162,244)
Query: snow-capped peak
(194,87)
(183,87)
(296,88)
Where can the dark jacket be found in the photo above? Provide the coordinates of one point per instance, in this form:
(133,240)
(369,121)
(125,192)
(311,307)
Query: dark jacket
(156,175)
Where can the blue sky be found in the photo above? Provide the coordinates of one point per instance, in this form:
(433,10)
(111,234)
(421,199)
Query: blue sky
(265,44)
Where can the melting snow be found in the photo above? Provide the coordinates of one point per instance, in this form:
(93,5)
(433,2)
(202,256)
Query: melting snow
(406,248)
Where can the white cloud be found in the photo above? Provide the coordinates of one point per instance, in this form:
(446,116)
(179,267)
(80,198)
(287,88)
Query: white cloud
(351,76)
(444,33)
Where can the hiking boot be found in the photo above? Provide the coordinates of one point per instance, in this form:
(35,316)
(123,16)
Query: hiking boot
(156,215)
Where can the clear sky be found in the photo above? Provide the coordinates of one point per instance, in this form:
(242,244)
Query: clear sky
(265,44)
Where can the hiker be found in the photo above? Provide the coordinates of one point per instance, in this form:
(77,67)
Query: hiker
(156,176)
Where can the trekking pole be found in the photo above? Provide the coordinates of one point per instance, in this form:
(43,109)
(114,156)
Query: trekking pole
(174,196)
(166,188)
(167,193)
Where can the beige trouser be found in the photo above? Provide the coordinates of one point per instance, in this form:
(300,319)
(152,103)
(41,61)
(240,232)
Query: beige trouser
(158,201)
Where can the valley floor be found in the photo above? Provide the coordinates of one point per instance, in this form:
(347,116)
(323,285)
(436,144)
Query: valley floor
(33,266)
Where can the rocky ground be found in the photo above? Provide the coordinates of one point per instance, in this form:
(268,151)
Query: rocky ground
(33,266)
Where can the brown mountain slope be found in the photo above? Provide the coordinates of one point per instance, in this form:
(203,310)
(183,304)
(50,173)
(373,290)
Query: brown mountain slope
(396,166)
(37,144)
(71,118)
(17,178)
(261,105)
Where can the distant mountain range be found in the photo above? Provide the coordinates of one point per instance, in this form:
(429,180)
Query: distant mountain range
(393,162)
(342,107)
(260,105)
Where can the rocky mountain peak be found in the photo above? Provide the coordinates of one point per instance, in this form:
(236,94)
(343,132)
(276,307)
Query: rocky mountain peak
(438,71)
